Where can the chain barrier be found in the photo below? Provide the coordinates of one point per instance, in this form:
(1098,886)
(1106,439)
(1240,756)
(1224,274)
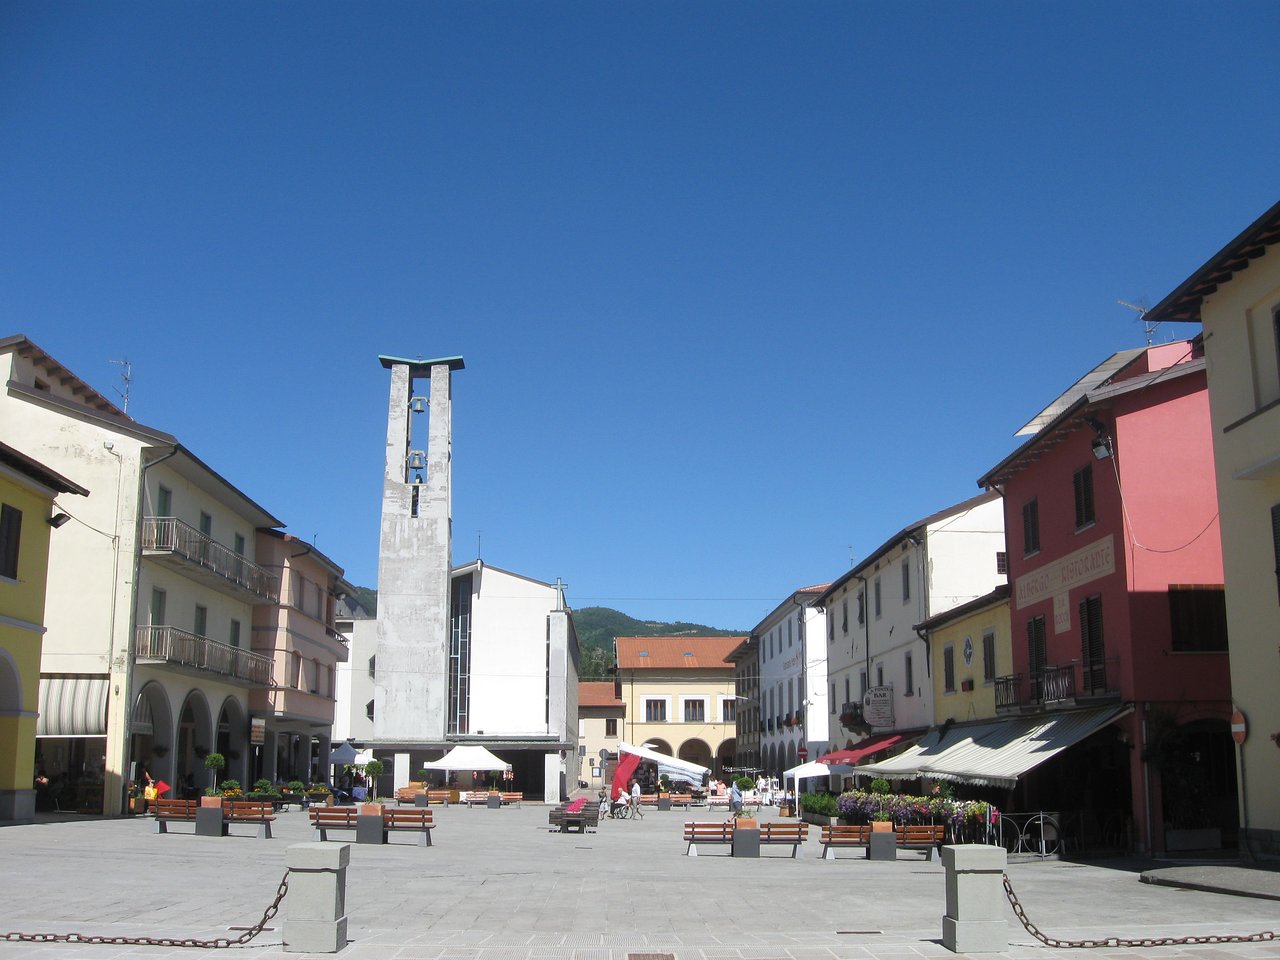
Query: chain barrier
(218,944)
(1121,942)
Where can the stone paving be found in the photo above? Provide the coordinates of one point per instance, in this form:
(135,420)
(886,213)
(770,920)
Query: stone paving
(497,885)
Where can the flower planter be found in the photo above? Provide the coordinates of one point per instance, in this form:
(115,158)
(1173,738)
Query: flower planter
(746,823)
(819,819)
(212,801)
(882,826)
(371,809)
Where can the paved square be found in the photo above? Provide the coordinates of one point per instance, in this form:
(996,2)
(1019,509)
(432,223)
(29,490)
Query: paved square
(497,885)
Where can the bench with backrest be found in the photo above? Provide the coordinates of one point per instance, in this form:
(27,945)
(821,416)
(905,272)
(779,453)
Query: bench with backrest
(259,812)
(169,811)
(438,796)
(408,794)
(419,819)
(923,836)
(511,797)
(473,797)
(578,820)
(794,833)
(696,833)
(682,800)
(648,799)
(844,835)
(714,801)
(324,819)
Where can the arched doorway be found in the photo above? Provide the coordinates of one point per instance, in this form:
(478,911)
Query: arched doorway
(151,735)
(696,751)
(771,760)
(194,743)
(793,760)
(727,756)
(232,740)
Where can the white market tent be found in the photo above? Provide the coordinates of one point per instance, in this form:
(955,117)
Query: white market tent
(343,754)
(673,767)
(813,769)
(467,758)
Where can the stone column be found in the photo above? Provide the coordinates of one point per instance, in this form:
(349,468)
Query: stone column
(401,772)
(316,906)
(974,922)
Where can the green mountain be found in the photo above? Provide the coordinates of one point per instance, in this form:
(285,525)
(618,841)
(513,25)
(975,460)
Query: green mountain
(598,626)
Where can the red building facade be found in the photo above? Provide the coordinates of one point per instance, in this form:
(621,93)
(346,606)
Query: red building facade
(1115,562)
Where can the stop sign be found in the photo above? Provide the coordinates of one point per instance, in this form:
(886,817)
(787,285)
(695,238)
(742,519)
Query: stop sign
(802,753)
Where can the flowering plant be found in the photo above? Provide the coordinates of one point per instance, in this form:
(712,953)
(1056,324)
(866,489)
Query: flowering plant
(963,818)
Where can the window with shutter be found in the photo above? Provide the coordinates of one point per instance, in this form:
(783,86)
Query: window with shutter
(10,535)
(1092,651)
(1036,657)
(1083,483)
(1031,527)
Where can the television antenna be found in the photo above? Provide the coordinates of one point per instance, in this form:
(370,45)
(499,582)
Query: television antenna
(1141,309)
(126,379)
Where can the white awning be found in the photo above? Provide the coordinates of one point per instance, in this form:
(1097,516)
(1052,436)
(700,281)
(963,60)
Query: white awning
(996,754)
(673,767)
(467,757)
(814,769)
(73,705)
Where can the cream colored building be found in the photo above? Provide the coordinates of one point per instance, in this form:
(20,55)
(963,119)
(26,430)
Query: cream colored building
(1236,296)
(679,696)
(969,647)
(601,713)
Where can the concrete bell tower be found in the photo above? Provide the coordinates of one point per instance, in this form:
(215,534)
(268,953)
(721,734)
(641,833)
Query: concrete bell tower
(411,686)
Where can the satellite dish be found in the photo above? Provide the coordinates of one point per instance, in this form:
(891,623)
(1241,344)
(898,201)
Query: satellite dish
(604,753)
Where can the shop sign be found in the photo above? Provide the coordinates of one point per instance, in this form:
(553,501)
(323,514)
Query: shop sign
(257,731)
(877,707)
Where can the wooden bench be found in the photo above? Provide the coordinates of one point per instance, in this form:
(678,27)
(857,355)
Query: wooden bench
(438,796)
(588,816)
(473,797)
(169,811)
(696,833)
(717,801)
(648,799)
(682,800)
(794,833)
(260,812)
(843,835)
(324,819)
(419,818)
(925,836)
(408,794)
(513,797)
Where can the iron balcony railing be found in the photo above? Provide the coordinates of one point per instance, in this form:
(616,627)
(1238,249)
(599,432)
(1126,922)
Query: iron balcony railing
(172,535)
(1059,683)
(191,650)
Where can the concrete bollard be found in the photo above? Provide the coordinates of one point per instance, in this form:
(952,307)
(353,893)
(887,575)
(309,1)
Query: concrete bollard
(316,908)
(974,922)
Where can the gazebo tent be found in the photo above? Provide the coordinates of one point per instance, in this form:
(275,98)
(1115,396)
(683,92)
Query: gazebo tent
(673,767)
(813,768)
(467,758)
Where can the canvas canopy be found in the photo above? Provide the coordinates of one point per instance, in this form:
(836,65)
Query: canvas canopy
(343,754)
(814,768)
(467,758)
(674,768)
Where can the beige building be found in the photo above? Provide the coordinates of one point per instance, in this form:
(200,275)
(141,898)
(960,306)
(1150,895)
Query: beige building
(1236,296)
(969,647)
(679,696)
(601,713)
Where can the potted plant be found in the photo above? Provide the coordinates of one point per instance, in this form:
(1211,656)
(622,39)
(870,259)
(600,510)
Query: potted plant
(231,789)
(372,771)
(214,762)
(136,802)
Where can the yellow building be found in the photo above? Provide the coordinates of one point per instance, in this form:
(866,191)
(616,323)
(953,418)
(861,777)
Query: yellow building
(969,646)
(679,696)
(1236,296)
(601,714)
(27,519)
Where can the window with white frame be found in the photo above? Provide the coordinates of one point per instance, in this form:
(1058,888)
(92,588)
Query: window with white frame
(610,726)
(695,711)
(728,710)
(655,711)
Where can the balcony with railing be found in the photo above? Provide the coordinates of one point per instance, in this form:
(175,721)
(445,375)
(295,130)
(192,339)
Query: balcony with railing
(1060,685)
(170,541)
(192,653)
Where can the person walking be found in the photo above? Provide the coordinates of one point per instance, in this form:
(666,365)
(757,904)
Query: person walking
(635,799)
(735,799)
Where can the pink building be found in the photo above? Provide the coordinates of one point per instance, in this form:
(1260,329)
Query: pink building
(1118,612)
(293,715)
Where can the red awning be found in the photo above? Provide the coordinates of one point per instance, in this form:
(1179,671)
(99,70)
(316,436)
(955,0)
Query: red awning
(860,751)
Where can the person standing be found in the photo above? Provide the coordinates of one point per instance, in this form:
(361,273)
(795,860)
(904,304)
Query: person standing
(635,799)
(735,799)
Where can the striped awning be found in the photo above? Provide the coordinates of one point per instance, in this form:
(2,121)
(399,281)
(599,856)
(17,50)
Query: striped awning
(996,754)
(73,705)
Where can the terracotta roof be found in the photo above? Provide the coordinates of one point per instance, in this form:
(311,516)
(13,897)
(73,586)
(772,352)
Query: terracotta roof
(593,693)
(668,653)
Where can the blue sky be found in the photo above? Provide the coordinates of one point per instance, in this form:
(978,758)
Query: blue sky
(742,288)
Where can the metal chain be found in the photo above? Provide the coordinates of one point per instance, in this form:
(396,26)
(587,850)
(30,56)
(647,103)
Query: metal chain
(218,944)
(1121,942)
